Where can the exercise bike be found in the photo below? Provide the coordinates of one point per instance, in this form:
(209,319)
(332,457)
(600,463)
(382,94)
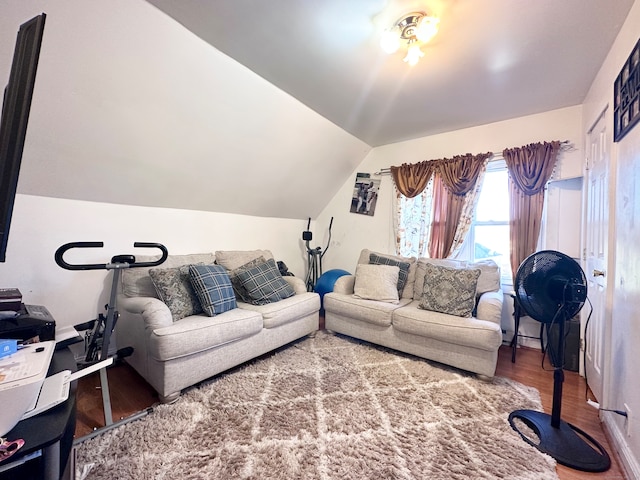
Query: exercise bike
(314,257)
(99,330)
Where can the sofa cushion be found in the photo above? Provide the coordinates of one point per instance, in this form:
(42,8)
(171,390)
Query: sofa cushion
(407,292)
(449,290)
(403,274)
(377,282)
(489,280)
(232,259)
(199,333)
(286,310)
(213,288)
(264,284)
(369,311)
(173,287)
(136,282)
(238,288)
(467,331)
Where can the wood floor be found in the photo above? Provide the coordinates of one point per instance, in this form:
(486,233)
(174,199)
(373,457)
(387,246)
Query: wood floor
(130,394)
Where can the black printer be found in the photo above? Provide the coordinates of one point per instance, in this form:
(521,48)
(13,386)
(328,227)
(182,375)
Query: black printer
(29,322)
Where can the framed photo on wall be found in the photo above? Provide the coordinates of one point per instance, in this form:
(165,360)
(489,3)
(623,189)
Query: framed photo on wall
(626,95)
(365,194)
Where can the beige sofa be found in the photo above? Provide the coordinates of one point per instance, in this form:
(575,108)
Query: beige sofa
(172,352)
(469,343)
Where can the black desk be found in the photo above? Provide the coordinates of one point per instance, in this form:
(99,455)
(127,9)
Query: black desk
(48,437)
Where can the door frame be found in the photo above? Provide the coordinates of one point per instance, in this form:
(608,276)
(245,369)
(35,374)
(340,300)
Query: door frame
(606,114)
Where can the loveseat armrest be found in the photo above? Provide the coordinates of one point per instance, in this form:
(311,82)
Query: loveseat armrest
(345,284)
(297,284)
(490,307)
(153,311)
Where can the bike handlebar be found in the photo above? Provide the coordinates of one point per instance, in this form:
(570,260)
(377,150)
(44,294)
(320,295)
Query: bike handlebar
(100,266)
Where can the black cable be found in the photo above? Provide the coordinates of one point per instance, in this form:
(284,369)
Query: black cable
(584,355)
(619,412)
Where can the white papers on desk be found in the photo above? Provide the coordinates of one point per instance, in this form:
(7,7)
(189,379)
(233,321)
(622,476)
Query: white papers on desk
(29,361)
(22,376)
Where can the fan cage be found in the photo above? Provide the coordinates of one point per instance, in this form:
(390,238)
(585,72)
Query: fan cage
(550,286)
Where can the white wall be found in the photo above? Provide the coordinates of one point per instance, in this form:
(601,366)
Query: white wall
(621,376)
(353,232)
(42,224)
(130,107)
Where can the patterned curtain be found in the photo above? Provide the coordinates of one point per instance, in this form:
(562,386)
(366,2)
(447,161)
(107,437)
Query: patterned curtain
(530,168)
(455,191)
(413,222)
(466,218)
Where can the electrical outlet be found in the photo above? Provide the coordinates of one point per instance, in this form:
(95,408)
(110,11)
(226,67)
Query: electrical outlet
(627,422)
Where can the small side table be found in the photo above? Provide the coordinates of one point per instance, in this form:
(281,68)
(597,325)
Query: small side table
(517,313)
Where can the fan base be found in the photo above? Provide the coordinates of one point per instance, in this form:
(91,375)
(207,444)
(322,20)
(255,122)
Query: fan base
(569,445)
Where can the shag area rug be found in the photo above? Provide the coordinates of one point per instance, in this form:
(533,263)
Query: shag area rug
(328,407)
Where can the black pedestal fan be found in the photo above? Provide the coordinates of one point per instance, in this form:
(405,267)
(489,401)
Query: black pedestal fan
(551,288)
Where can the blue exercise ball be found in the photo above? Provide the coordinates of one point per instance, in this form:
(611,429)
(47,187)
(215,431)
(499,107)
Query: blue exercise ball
(327,280)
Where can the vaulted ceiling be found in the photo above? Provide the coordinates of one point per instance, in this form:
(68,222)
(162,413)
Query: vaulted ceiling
(267,108)
(491,60)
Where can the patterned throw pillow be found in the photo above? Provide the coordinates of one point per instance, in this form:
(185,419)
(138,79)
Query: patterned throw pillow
(403,275)
(241,292)
(213,288)
(264,284)
(173,287)
(449,290)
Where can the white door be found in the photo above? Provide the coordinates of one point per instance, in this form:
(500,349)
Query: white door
(596,243)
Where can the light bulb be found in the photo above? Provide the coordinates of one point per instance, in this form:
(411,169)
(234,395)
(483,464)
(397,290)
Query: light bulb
(427,29)
(413,54)
(390,41)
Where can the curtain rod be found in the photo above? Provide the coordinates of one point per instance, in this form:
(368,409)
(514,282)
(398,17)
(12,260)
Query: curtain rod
(566,146)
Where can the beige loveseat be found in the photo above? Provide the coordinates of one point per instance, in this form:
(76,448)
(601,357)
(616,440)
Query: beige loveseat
(176,345)
(363,306)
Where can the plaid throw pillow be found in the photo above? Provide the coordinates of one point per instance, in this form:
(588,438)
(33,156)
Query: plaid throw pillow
(375,259)
(264,284)
(213,288)
(241,292)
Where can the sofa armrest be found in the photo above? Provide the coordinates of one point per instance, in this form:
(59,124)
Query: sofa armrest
(153,311)
(490,307)
(344,284)
(297,284)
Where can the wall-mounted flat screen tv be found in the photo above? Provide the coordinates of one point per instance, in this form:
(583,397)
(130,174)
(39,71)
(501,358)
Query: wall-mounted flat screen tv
(16,105)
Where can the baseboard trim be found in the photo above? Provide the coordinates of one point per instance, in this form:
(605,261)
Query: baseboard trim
(617,437)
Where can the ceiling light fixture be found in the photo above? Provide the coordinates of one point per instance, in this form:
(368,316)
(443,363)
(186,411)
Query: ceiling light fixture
(415,29)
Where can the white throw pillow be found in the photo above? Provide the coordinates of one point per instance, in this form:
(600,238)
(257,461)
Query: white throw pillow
(377,282)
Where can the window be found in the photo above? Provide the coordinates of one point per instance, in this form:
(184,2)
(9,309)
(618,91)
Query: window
(488,235)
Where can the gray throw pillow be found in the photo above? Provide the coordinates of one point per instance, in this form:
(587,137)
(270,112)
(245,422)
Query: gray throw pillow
(173,286)
(449,290)
(264,284)
(213,288)
(403,275)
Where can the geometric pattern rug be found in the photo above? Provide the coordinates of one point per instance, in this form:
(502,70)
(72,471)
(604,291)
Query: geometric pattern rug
(328,407)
